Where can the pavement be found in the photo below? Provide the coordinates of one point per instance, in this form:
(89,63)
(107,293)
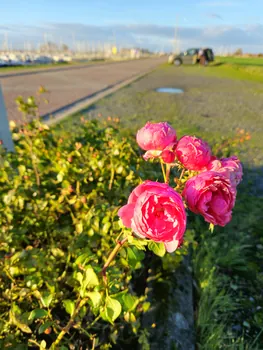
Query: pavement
(70,86)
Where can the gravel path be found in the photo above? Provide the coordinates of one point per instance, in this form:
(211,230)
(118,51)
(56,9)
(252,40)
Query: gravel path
(68,85)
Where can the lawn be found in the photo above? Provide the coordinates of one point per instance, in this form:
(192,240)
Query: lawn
(243,61)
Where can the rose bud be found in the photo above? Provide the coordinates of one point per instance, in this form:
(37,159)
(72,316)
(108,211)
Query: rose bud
(154,138)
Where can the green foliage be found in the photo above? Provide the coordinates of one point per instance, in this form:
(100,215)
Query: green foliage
(58,212)
(157,248)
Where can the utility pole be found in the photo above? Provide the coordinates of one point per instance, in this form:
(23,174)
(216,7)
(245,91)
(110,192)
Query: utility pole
(176,37)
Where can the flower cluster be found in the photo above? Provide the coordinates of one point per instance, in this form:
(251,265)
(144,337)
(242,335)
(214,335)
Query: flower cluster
(207,186)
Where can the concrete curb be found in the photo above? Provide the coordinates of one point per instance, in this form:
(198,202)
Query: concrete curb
(58,115)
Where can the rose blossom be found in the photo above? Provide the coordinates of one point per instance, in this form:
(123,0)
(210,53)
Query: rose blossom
(212,195)
(154,138)
(193,153)
(230,167)
(155,211)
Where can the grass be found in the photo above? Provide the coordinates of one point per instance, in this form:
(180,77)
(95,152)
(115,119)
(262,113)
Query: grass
(252,73)
(228,263)
(243,61)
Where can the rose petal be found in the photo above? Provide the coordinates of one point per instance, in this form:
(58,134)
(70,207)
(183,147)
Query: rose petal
(171,246)
(126,214)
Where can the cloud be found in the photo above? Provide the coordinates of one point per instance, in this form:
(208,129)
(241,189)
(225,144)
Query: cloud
(150,36)
(214,15)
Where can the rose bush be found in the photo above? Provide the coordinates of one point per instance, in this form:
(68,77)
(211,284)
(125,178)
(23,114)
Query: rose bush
(157,212)
(66,259)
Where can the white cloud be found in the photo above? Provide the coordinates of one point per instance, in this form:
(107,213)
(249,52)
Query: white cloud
(150,36)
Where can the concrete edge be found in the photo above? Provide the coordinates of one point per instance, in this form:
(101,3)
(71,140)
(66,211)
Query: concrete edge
(56,117)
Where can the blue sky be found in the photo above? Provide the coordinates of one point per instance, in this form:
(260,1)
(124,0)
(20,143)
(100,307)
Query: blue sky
(150,23)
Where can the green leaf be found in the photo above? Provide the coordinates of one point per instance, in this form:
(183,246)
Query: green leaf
(157,248)
(69,306)
(112,310)
(137,242)
(106,227)
(134,256)
(79,277)
(37,313)
(130,302)
(146,306)
(21,169)
(95,298)
(60,177)
(44,326)
(79,227)
(43,344)
(46,299)
(58,253)
(90,280)
(83,258)
(15,315)
(24,327)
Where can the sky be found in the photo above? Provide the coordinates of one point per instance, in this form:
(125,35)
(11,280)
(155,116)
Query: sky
(224,25)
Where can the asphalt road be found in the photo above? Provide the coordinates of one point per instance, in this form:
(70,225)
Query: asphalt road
(67,86)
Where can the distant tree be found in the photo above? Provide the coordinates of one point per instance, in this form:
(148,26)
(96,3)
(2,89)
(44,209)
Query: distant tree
(64,48)
(238,52)
(49,47)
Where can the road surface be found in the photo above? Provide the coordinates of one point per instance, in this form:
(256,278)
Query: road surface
(69,85)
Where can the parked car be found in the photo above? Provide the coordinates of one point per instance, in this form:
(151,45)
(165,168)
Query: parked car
(192,56)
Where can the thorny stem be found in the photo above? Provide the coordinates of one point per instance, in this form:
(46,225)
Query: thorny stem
(111,257)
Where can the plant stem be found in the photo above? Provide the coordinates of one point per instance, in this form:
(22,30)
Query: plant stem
(167,174)
(112,177)
(164,176)
(182,174)
(70,323)
(180,179)
(111,257)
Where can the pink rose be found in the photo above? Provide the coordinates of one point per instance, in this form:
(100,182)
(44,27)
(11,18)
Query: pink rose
(212,195)
(230,167)
(154,138)
(155,211)
(193,153)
